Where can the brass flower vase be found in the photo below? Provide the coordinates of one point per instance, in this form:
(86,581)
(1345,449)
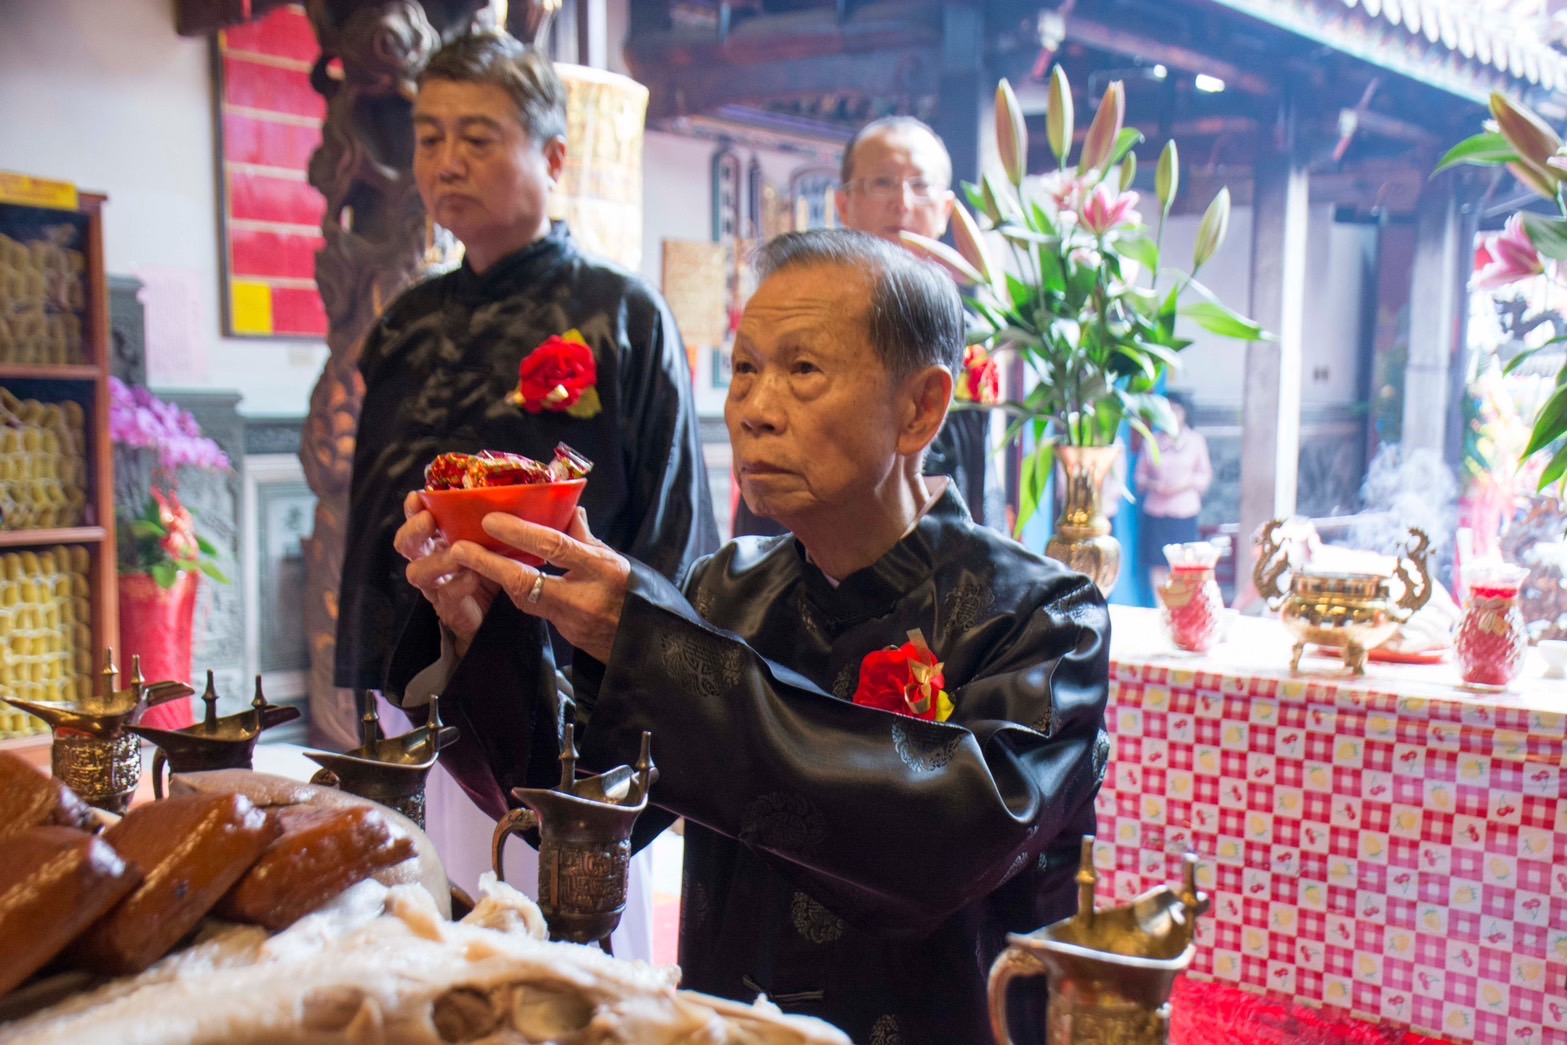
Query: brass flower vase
(1109,972)
(1082,538)
(584,842)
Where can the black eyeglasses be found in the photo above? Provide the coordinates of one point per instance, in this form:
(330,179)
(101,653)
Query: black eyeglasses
(885,187)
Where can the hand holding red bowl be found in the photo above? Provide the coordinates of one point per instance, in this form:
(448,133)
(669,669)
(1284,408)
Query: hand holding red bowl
(461,489)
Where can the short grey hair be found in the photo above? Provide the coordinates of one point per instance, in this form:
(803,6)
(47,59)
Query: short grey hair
(523,72)
(915,317)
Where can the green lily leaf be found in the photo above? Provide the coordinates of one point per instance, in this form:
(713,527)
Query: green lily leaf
(164,574)
(1487,149)
(148,529)
(1036,474)
(1140,249)
(1549,235)
(1551,425)
(1216,319)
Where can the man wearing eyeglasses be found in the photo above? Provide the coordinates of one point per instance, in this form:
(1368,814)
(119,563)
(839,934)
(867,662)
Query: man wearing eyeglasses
(896,178)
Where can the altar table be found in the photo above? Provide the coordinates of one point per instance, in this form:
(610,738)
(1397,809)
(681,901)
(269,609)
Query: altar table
(1393,846)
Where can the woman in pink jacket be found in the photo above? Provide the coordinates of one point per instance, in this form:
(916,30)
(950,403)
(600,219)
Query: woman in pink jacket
(1171,484)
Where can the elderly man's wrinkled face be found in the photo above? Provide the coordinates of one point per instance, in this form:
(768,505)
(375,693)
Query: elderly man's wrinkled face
(813,413)
(480,174)
(897,183)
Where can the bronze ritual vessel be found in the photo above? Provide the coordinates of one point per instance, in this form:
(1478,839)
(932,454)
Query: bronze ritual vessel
(390,770)
(1352,612)
(584,842)
(1110,972)
(213,743)
(92,751)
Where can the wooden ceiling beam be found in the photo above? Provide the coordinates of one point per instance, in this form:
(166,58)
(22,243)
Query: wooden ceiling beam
(907,72)
(1134,45)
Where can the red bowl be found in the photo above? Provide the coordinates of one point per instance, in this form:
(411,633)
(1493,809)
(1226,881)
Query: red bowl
(460,513)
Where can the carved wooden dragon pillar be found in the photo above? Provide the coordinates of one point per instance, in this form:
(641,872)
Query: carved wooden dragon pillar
(371,52)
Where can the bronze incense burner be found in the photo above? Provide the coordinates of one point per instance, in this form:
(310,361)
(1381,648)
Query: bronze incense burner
(93,752)
(584,842)
(389,770)
(1109,972)
(213,743)
(1353,612)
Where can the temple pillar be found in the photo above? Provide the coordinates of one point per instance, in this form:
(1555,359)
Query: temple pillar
(1270,422)
(1436,305)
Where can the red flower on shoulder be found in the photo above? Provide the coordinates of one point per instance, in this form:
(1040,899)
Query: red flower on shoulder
(906,679)
(560,376)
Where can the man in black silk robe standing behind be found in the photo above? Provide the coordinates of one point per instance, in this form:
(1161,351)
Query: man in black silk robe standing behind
(442,367)
(885,730)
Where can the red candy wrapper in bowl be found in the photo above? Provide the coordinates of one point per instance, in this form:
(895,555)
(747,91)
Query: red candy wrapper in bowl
(461,489)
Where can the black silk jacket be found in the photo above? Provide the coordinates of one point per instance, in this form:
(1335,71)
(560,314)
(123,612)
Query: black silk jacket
(851,863)
(437,370)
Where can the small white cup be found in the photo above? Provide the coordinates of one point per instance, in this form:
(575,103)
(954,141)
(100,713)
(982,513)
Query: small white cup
(1554,651)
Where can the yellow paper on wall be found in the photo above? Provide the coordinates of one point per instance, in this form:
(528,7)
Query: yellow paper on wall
(252,308)
(37,192)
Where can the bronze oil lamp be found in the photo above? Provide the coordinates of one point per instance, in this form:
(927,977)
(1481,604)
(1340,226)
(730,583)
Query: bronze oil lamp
(93,752)
(389,770)
(1109,972)
(1353,612)
(584,842)
(212,743)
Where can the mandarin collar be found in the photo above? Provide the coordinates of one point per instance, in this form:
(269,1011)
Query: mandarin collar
(872,590)
(523,267)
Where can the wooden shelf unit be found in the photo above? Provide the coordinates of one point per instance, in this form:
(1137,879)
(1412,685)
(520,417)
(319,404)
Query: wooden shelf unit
(86,383)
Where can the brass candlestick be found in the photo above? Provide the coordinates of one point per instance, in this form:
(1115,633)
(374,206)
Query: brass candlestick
(584,842)
(1109,972)
(213,743)
(391,771)
(92,752)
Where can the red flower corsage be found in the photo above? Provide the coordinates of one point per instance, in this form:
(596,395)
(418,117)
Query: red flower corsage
(560,376)
(906,679)
(981,379)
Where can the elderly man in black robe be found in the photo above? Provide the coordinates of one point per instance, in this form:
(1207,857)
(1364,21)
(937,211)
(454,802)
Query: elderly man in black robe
(528,344)
(885,730)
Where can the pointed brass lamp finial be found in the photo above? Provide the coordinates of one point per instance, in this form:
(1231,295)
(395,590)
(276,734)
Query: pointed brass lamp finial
(213,743)
(1110,972)
(391,771)
(93,751)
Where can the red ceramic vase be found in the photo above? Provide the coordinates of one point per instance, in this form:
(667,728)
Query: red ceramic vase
(156,624)
(1491,639)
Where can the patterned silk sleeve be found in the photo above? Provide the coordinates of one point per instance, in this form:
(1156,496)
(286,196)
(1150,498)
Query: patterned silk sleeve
(896,821)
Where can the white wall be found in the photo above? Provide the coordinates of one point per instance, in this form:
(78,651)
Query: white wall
(1339,260)
(106,95)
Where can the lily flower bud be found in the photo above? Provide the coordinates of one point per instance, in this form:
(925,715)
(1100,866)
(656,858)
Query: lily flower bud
(1531,138)
(1210,234)
(1011,133)
(970,244)
(943,255)
(1105,129)
(1167,178)
(1058,114)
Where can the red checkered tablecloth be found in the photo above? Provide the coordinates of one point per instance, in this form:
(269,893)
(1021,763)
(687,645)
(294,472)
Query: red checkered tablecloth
(1392,846)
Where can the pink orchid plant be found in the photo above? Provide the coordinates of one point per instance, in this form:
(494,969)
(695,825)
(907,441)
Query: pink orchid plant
(153,441)
(1085,298)
(1530,244)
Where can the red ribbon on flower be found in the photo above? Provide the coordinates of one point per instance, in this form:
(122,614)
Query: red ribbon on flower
(981,379)
(560,376)
(906,679)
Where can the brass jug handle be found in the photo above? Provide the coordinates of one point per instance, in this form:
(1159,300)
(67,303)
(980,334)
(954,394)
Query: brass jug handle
(1012,963)
(1273,564)
(1414,597)
(515,822)
(158,762)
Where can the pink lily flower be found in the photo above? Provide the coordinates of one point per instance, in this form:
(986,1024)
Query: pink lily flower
(1506,257)
(1103,210)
